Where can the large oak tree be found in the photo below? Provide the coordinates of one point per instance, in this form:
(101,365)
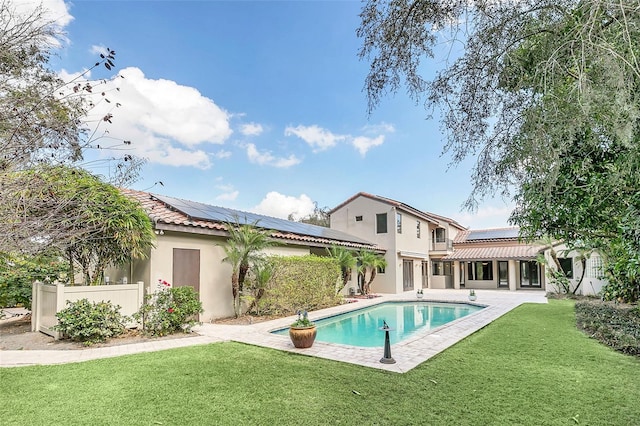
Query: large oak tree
(545,94)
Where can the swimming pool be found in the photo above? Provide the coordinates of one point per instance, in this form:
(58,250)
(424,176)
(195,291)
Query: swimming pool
(362,327)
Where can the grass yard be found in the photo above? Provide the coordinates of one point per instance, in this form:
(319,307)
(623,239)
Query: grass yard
(530,367)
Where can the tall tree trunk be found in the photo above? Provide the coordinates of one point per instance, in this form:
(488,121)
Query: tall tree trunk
(72,275)
(583,262)
(235,293)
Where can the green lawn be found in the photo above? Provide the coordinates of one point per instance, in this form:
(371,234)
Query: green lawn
(531,367)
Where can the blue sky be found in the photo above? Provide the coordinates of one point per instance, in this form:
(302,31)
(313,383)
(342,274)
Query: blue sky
(259,106)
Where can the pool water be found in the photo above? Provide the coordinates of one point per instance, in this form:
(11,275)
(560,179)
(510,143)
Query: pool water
(362,327)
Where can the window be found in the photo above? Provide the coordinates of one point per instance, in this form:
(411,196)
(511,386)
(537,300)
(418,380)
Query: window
(503,273)
(480,271)
(418,229)
(440,235)
(594,267)
(443,268)
(381,270)
(358,218)
(529,276)
(399,223)
(381,223)
(567,266)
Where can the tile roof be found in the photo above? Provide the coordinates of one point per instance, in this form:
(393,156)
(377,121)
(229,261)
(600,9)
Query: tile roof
(521,251)
(428,216)
(160,212)
(484,235)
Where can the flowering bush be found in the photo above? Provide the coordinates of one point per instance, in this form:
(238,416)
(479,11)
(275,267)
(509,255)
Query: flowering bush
(303,320)
(88,322)
(170,310)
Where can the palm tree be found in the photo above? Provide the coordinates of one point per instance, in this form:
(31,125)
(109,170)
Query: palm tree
(244,248)
(347,262)
(369,263)
(262,273)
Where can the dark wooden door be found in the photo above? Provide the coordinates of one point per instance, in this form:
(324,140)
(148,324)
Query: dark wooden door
(186,268)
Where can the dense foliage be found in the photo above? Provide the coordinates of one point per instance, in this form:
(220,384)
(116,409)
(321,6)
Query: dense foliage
(244,250)
(300,282)
(544,93)
(44,121)
(18,273)
(617,326)
(102,226)
(90,322)
(169,311)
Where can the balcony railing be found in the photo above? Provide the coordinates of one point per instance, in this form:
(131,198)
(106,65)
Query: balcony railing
(442,246)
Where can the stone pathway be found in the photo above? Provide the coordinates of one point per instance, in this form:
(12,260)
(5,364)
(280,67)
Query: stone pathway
(408,354)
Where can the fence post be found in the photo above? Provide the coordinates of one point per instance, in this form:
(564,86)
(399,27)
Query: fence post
(140,294)
(35,304)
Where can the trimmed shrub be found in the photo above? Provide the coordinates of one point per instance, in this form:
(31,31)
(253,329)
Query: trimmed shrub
(617,326)
(88,322)
(168,311)
(301,282)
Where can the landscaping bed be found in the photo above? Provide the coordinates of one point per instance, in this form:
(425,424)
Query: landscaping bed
(16,334)
(613,324)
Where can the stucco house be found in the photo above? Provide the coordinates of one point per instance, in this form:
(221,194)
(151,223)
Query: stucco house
(495,259)
(578,264)
(415,241)
(427,250)
(189,247)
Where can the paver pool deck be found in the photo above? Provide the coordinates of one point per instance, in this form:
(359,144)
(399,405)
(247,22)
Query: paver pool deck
(408,354)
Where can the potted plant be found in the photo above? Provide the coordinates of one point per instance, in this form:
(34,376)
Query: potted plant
(420,294)
(303,331)
(472,295)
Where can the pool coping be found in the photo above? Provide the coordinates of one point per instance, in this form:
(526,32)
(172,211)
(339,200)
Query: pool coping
(408,353)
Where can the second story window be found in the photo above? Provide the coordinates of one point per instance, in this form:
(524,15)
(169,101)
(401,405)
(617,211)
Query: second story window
(440,235)
(399,223)
(381,223)
(358,218)
(418,229)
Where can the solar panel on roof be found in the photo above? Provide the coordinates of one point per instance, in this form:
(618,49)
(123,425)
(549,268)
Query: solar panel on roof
(492,234)
(203,211)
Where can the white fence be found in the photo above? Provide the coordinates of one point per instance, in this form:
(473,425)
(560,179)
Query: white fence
(50,299)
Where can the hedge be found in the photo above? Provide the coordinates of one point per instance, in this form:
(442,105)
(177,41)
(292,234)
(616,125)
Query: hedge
(301,282)
(615,325)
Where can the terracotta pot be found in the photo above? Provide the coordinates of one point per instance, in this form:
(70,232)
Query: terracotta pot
(302,337)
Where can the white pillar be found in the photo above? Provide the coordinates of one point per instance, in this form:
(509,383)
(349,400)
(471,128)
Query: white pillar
(512,275)
(456,275)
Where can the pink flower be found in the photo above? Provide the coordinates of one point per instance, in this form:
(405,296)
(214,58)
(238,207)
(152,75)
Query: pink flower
(170,310)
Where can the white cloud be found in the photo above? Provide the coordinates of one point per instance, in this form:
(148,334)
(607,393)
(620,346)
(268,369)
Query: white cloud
(485,217)
(320,139)
(164,120)
(251,129)
(316,137)
(98,49)
(54,13)
(279,205)
(364,143)
(222,154)
(382,127)
(267,159)
(228,196)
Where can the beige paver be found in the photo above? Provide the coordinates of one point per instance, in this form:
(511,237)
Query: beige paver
(408,354)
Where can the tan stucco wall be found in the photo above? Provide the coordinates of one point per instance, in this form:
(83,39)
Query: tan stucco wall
(590,285)
(344,220)
(215,275)
(414,248)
